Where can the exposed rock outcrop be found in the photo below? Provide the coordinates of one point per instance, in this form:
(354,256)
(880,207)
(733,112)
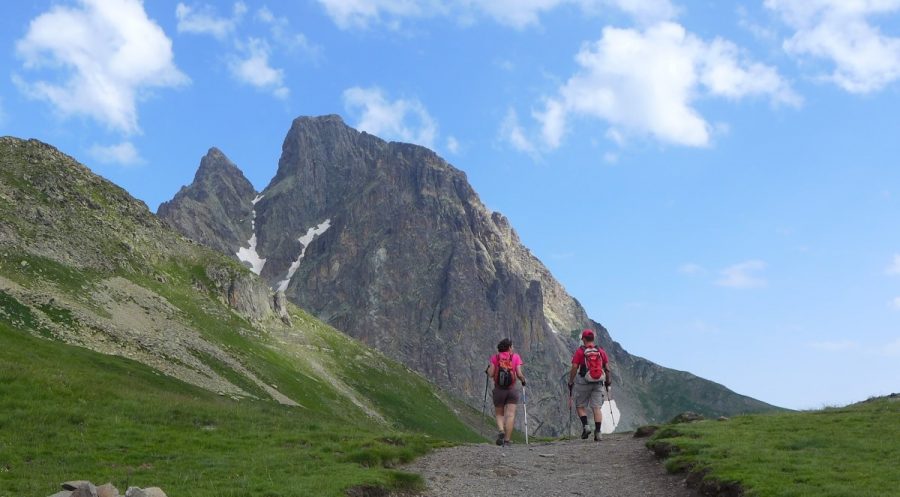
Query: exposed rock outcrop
(389,243)
(217,209)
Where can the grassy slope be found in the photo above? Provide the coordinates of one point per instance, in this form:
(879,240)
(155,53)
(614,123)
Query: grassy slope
(69,413)
(850,451)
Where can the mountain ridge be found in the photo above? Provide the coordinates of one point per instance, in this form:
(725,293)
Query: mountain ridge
(85,263)
(413,264)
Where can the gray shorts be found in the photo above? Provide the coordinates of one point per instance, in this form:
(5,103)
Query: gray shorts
(504,396)
(586,393)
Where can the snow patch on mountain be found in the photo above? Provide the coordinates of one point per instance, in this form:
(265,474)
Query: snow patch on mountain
(304,240)
(250,255)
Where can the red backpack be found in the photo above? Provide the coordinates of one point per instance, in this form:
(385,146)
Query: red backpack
(593,364)
(505,375)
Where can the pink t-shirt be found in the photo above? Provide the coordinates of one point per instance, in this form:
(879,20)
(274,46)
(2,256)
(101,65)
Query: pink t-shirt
(516,362)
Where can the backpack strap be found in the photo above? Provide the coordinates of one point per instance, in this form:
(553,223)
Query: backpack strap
(582,368)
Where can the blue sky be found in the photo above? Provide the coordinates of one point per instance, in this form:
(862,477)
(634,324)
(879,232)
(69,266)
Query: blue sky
(716,182)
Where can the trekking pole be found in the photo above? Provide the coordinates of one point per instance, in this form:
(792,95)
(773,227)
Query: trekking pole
(525,406)
(571,411)
(611,413)
(484,404)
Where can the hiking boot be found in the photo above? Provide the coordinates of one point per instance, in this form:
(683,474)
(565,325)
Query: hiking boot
(500,437)
(585,432)
(598,437)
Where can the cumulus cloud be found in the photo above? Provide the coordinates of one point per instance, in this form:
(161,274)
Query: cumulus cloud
(894,268)
(743,275)
(203,20)
(845,34)
(250,59)
(282,34)
(512,132)
(517,14)
(252,67)
(646,82)
(124,154)
(402,119)
(108,54)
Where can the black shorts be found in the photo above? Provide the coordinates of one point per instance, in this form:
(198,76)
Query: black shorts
(504,396)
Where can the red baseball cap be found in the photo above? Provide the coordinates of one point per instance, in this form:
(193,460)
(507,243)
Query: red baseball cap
(589,334)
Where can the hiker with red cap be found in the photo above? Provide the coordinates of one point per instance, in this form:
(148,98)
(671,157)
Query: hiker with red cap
(587,377)
(505,368)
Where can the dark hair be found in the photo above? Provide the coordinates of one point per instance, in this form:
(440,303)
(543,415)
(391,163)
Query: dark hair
(504,345)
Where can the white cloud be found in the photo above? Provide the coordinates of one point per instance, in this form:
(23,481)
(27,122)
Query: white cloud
(894,268)
(402,119)
(743,275)
(452,145)
(109,54)
(511,131)
(835,346)
(250,60)
(844,33)
(553,122)
(761,32)
(645,82)
(123,154)
(203,20)
(253,68)
(283,36)
(517,14)
(360,13)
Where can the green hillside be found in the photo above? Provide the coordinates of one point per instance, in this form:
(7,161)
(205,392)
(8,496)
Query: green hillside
(131,354)
(836,452)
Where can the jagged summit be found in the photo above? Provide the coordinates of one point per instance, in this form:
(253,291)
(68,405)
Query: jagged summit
(217,207)
(215,163)
(389,243)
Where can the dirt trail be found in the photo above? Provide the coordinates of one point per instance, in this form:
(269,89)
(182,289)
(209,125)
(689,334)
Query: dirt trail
(618,466)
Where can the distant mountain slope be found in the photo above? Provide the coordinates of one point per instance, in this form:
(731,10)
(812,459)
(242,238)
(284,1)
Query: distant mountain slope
(389,243)
(86,264)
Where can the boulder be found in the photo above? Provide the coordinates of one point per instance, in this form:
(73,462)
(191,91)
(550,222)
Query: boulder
(687,417)
(107,490)
(645,431)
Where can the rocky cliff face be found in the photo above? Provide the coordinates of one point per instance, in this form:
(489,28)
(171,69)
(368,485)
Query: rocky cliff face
(217,209)
(389,243)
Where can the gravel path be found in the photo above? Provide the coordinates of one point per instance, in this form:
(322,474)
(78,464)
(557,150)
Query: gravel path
(618,466)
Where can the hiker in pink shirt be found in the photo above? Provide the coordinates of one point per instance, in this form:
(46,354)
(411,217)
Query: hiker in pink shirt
(505,368)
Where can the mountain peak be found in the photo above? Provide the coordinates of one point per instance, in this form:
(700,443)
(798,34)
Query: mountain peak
(216,163)
(223,202)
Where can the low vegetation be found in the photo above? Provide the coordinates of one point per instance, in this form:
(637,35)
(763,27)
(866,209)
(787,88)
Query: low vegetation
(835,452)
(70,413)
